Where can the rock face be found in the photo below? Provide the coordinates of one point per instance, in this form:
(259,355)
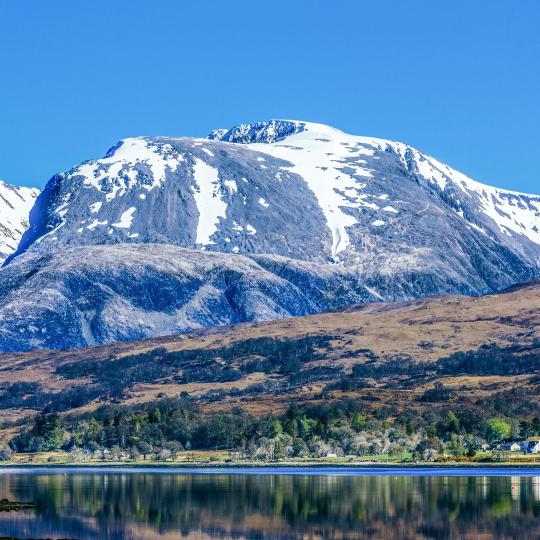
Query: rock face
(97,294)
(335,218)
(15,205)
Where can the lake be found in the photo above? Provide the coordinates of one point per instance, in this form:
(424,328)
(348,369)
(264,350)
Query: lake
(264,504)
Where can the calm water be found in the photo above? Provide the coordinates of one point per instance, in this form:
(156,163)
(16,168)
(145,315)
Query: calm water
(292,503)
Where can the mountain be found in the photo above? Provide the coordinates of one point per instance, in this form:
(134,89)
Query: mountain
(88,295)
(300,217)
(298,190)
(484,350)
(15,205)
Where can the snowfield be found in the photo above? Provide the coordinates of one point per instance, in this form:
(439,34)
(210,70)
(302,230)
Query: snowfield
(15,205)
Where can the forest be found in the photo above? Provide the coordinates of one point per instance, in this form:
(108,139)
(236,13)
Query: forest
(166,427)
(356,413)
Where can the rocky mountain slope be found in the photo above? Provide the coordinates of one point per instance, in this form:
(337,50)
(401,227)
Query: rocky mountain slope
(15,205)
(333,218)
(389,354)
(89,295)
(298,190)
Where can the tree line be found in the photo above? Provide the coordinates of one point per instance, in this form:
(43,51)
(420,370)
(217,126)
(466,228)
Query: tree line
(168,426)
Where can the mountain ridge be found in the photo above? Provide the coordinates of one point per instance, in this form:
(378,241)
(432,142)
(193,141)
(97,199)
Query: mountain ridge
(142,164)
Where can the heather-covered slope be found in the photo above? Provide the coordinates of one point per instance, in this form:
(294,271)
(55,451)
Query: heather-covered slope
(378,353)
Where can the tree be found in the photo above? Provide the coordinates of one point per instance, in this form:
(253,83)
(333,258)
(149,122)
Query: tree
(5,452)
(498,430)
(145,449)
(452,423)
(427,449)
(525,429)
(175,447)
(358,422)
(46,434)
(529,428)
(49,426)
(277,427)
(472,445)
(164,454)
(307,426)
(300,448)
(77,455)
(265,449)
(456,446)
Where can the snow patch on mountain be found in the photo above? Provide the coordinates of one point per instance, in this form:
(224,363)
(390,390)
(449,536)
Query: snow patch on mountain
(95,207)
(126,218)
(96,223)
(15,205)
(133,161)
(210,205)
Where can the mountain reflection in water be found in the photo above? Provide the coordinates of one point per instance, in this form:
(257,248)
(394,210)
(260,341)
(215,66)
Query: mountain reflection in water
(140,505)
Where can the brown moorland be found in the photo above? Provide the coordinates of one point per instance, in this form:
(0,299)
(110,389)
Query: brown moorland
(369,352)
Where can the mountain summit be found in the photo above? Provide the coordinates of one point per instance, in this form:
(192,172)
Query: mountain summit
(296,189)
(333,217)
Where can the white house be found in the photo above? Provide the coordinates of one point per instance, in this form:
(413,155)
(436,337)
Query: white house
(510,447)
(531,446)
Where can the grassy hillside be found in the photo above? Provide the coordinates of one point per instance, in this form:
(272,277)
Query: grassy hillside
(430,377)
(379,353)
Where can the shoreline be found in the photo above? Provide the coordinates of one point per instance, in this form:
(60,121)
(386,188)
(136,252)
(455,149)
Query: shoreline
(251,466)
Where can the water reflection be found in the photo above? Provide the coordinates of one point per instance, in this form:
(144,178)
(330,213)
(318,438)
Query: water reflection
(147,505)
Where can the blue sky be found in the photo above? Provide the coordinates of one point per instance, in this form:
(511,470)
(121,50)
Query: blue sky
(459,80)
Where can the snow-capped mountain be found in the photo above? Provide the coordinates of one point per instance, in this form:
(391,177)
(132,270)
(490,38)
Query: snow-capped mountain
(339,218)
(295,189)
(341,169)
(15,205)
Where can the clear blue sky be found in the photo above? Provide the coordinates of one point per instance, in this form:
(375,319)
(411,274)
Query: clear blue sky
(459,79)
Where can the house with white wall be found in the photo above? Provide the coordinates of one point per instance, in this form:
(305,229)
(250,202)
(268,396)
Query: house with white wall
(531,445)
